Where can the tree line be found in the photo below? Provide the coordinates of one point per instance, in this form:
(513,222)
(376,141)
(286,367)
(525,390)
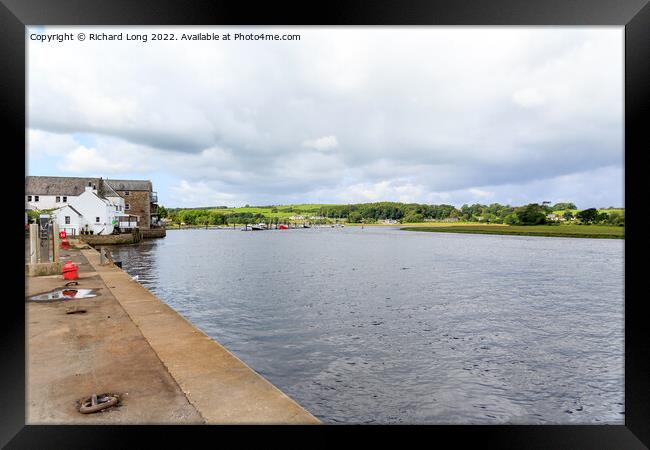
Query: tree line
(531,214)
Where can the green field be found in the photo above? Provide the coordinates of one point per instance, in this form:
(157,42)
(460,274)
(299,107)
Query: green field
(425,224)
(579,231)
(559,212)
(307,209)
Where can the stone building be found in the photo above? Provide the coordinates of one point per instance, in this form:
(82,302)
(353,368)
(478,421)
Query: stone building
(139,200)
(130,197)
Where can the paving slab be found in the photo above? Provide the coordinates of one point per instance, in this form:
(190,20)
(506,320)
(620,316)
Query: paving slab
(71,356)
(222,388)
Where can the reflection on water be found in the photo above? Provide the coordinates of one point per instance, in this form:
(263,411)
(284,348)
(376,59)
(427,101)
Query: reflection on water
(65,294)
(387,326)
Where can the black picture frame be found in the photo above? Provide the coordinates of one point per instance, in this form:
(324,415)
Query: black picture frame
(634,15)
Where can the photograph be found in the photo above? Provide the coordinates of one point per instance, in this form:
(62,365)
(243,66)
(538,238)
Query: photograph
(370,226)
(397,220)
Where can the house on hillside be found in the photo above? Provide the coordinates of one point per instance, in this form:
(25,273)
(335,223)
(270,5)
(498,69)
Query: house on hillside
(555,217)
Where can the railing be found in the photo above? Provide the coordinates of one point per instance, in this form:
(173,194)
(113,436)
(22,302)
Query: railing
(128,224)
(154,197)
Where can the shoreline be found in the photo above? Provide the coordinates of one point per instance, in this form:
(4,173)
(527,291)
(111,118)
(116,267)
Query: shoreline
(522,231)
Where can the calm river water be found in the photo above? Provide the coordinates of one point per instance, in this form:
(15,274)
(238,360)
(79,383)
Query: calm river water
(387,326)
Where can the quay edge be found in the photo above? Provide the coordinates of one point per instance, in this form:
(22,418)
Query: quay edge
(218,387)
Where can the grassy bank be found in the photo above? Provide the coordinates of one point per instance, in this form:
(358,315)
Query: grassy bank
(576,231)
(423,224)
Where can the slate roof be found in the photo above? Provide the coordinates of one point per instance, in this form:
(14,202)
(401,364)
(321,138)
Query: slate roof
(72,186)
(72,208)
(107,191)
(130,185)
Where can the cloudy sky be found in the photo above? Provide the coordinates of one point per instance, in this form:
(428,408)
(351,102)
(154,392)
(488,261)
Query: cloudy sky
(347,114)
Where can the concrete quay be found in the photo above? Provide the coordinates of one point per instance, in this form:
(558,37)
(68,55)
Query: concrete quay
(126,341)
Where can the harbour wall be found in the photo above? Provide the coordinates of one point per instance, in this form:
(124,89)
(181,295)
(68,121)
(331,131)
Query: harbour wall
(137,340)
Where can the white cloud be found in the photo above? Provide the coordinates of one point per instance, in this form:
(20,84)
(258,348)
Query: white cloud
(480,193)
(321,143)
(528,98)
(84,160)
(201,194)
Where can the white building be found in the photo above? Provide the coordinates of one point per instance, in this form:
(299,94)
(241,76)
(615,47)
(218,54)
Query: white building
(87,211)
(134,201)
(77,204)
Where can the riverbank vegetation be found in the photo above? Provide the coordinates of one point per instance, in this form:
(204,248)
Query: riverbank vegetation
(398,213)
(581,231)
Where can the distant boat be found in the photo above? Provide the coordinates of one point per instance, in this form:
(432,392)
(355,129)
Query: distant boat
(283,227)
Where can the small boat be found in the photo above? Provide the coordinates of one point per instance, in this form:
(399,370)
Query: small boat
(283,227)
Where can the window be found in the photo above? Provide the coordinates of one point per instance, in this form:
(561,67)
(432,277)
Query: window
(126,192)
(97,219)
(36,198)
(29,198)
(58,199)
(65,199)
(126,207)
(67,220)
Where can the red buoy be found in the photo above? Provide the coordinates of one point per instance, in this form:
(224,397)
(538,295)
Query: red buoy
(65,244)
(62,234)
(70,271)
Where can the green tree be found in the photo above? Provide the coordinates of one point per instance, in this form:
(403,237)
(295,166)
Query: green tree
(568,215)
(413,217)
(563,206)
(511,219)
(34,214)
(162,212)
(602,217)
(616,218)
(354,217)
(588,215)
(531,214)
